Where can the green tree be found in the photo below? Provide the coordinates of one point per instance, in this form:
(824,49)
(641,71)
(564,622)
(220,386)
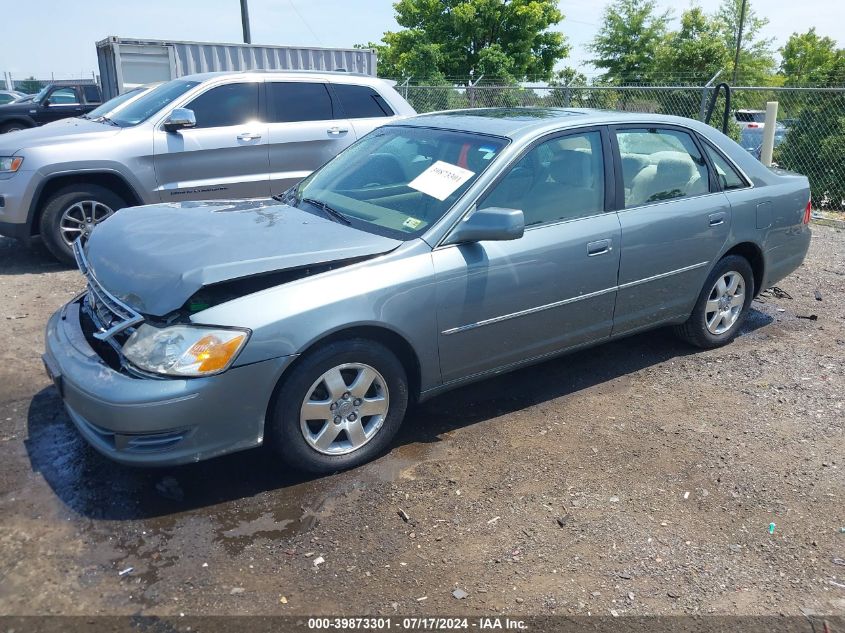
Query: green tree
(457,39)
(810,59)
(694,53)
(813,147)
(756,59)
(627,42)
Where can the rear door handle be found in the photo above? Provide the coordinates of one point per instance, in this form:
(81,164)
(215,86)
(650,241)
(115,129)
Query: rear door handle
(336,131)
(248,136)
(717,218)
(599,247)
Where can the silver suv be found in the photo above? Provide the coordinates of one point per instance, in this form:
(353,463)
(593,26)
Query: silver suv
(213,135)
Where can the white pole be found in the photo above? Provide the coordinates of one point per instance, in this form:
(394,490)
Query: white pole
(769,133)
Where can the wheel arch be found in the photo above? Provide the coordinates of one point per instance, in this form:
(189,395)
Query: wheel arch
(27,122)
(391,339)
(754,255)
(109,179)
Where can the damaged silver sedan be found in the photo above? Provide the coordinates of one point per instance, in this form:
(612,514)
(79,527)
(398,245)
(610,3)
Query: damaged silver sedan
(435,251)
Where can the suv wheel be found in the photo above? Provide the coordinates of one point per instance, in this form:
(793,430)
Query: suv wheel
(722,305)
(12,127)
(340,406)
(72,213)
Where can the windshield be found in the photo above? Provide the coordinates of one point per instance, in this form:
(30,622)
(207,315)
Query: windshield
(112,104)
(752,138)
(398,181)
(144,107)
(41,93)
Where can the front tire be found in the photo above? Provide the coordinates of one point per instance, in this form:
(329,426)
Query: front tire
(12,127)
(340,406)
(73,212)
(722,306)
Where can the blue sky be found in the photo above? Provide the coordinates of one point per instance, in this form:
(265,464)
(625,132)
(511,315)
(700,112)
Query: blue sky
(59,35)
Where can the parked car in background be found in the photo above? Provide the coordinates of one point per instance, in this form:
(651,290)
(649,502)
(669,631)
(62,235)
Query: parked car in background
(215,135)
(751,139)
(437,250)
(10,96)
(750,118)
(53,102)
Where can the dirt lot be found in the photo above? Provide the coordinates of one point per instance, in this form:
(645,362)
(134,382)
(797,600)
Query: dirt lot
(640,477)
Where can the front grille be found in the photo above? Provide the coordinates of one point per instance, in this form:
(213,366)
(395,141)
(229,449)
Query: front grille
(111,315)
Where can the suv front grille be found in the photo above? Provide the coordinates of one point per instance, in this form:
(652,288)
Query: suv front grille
(111,315)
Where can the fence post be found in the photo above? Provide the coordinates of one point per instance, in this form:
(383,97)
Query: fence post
(471,90)
(404,87)
(769,133)
(705,91)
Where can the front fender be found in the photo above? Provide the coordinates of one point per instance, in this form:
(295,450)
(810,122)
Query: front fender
(394,292)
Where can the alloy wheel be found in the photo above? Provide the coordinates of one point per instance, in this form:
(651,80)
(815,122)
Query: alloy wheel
(725,302)
(344,409)
(80,218)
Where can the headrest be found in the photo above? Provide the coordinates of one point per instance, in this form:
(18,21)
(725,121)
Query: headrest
(632,164)
(676,170)
(571,167)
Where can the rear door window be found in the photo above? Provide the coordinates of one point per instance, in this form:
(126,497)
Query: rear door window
(361,102)
(291,101)
(92,94)
(660,164)
(232,104)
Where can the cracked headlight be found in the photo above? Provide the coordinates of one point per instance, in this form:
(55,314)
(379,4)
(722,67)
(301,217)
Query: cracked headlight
(184,350)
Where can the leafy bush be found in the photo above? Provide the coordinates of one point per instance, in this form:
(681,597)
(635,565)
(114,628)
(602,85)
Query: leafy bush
(815,147)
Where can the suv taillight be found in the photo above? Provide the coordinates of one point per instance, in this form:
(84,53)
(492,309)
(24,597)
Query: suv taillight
(808,211)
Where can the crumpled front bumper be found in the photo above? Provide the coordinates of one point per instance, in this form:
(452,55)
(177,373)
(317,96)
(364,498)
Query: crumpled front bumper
(150,421)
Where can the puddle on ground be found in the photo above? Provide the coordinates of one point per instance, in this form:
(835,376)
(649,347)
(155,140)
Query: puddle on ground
(301,507)
(149,519)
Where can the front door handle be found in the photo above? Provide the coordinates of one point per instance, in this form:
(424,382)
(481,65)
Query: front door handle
(337,131)
(249,136)
(599,247)
(717,218)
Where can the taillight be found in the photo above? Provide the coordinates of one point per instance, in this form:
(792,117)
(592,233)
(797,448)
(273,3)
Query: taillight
(808,211)
(753,125)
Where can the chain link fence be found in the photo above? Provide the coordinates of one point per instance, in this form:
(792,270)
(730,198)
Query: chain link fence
(810,137)
(30,83)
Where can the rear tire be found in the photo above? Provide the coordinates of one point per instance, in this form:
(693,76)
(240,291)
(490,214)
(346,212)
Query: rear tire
(75,210)
(340,406)
(721,307)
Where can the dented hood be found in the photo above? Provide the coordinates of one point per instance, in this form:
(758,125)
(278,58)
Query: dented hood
(154,258)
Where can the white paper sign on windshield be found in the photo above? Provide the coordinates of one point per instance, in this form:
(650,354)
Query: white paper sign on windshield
(441,180)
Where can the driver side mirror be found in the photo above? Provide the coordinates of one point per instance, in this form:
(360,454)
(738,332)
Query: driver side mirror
(179,119)
(490,224)
(46,102)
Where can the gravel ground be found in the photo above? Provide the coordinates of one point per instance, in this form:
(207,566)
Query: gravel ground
(640,477)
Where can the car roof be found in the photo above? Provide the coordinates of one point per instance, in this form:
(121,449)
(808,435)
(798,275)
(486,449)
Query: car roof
(336,76)
(515,123)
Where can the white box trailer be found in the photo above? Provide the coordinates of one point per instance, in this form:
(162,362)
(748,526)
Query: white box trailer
(126,63)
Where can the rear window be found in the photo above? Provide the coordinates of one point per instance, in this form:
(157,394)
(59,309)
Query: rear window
(92,94)
(299,101)
(361,102)
(750,117)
